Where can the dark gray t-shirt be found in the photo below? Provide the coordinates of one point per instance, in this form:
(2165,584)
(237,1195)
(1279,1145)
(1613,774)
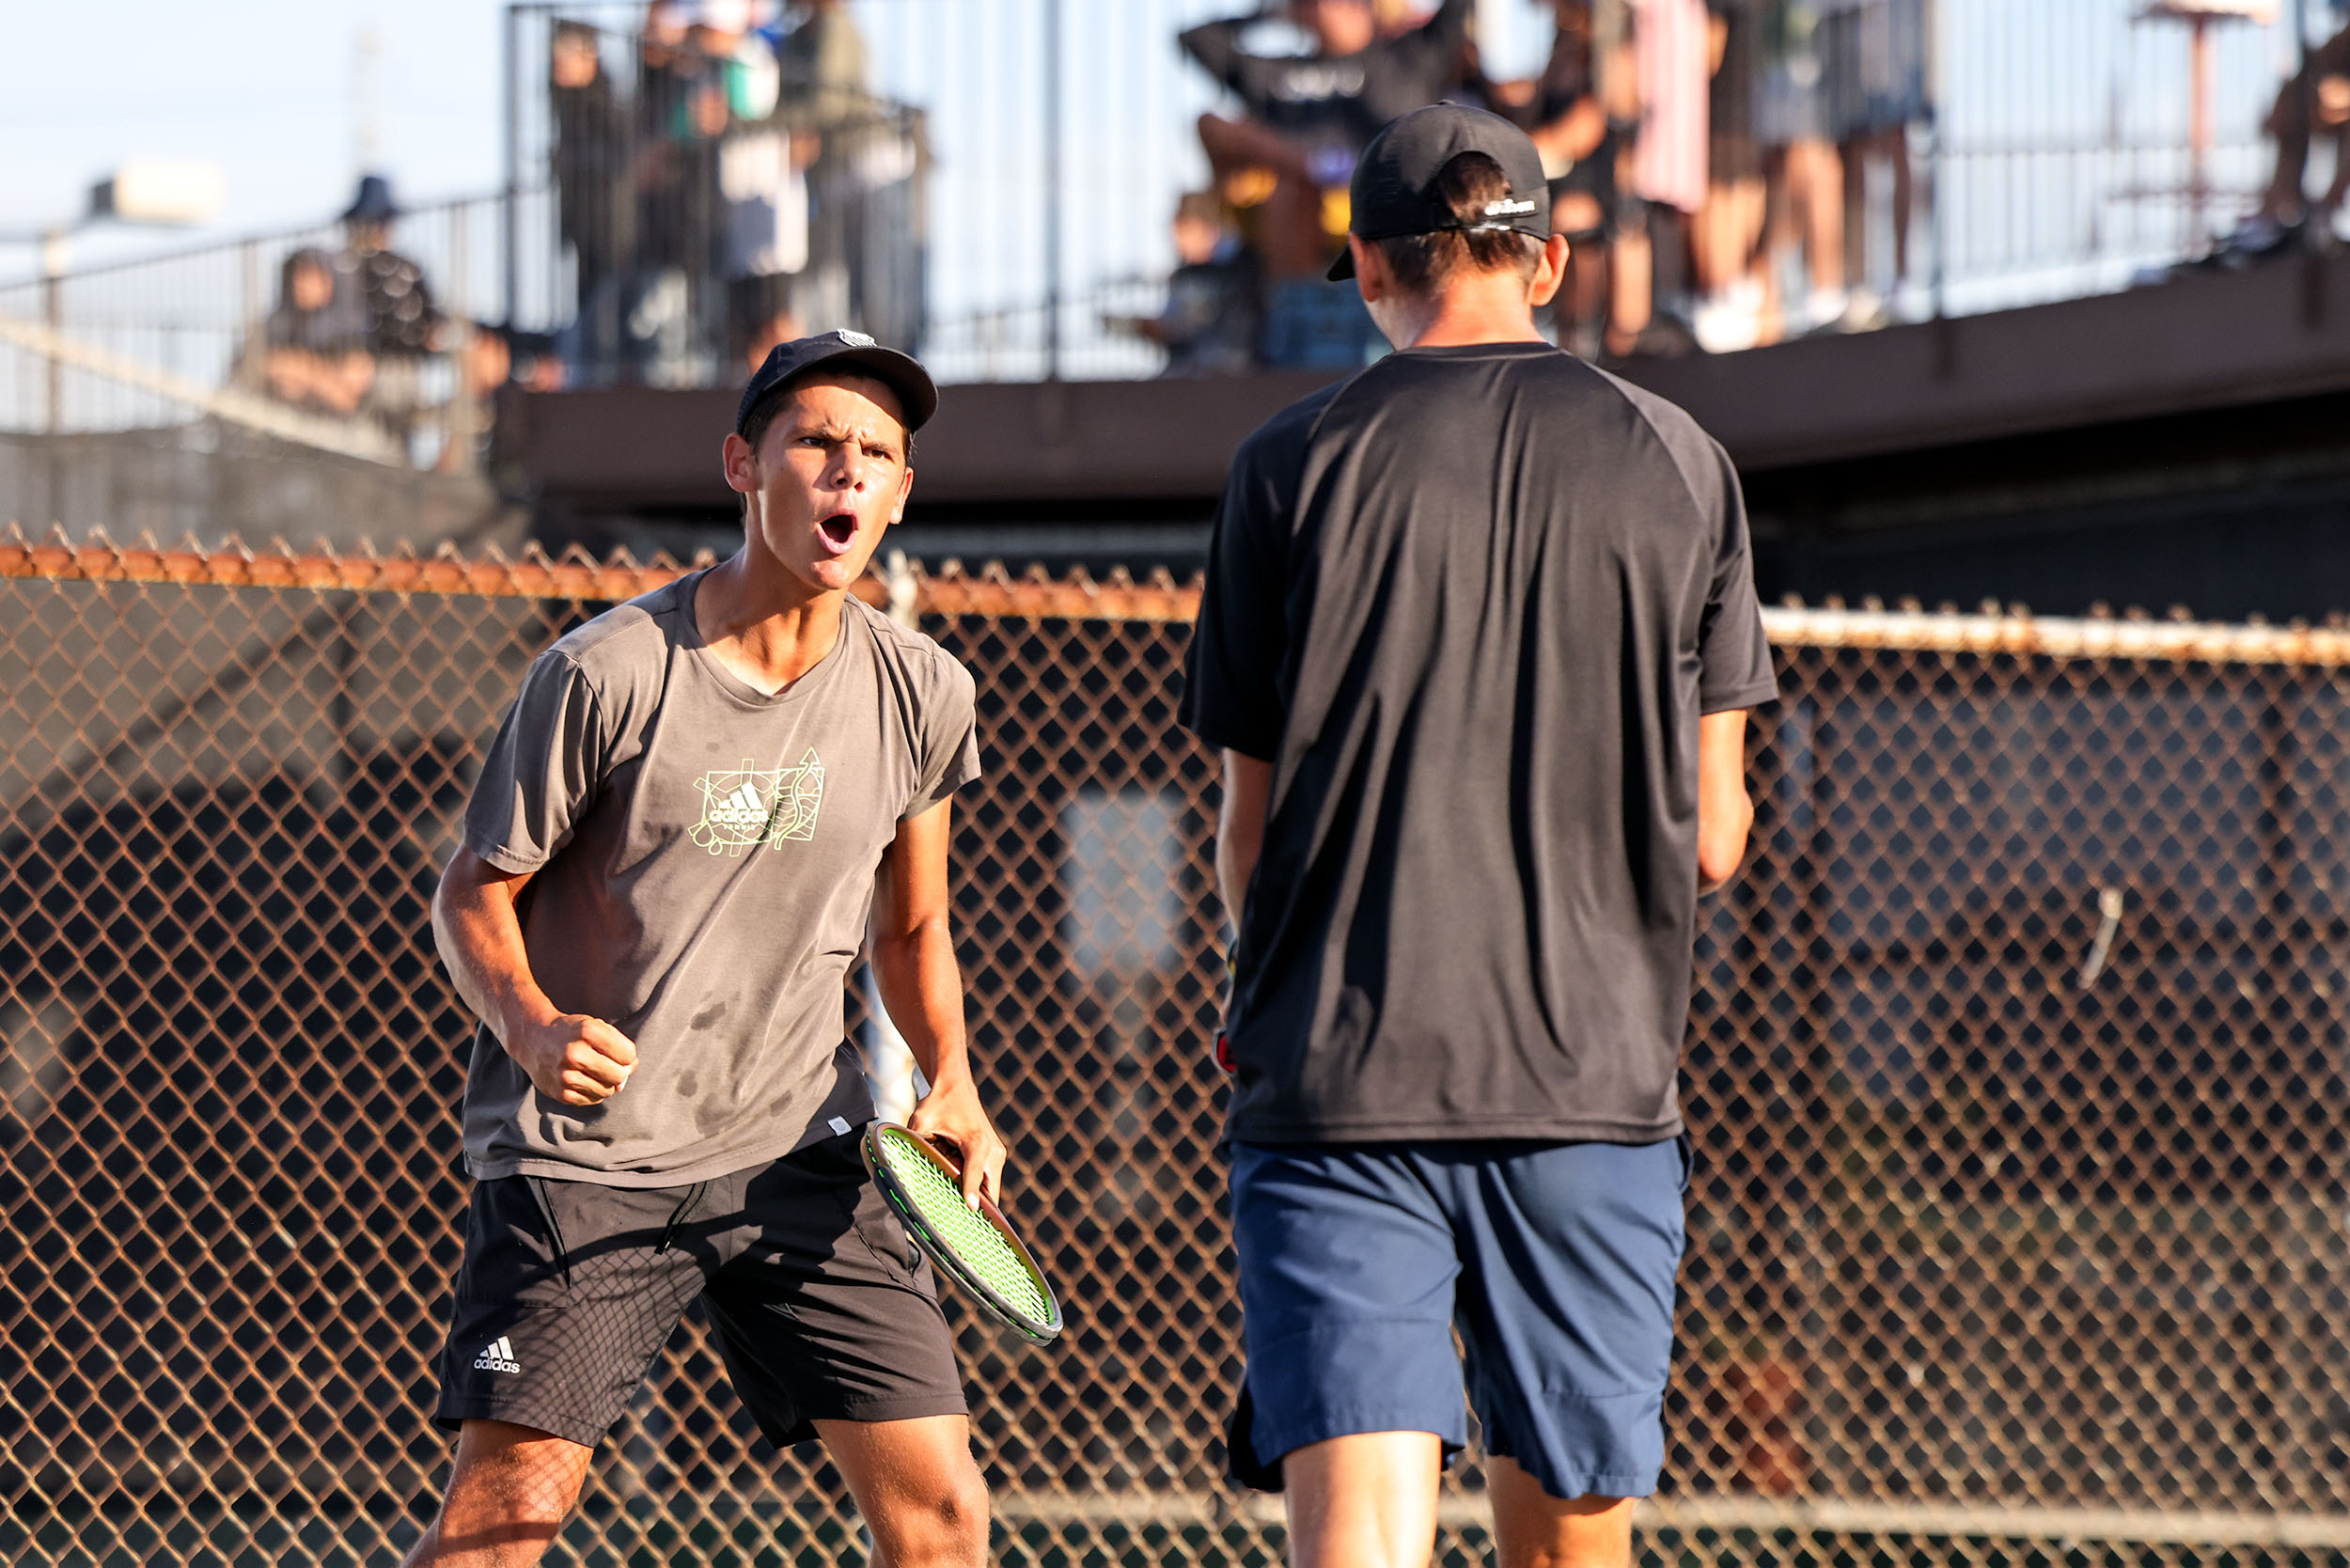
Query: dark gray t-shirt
(1470,604)
(703,859)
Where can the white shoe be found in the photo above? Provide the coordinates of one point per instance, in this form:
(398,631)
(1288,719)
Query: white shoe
(1864,311)
(1724,324)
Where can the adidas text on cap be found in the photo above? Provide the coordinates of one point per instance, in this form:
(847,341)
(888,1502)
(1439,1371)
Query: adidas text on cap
(1394,190)
(918,394)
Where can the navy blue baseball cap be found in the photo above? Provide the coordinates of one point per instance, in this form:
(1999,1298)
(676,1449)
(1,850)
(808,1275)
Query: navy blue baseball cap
(918,394)
(1394,189)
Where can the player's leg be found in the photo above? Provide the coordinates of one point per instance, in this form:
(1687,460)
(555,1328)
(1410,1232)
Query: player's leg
(1895,141)
(2289,126)
(510,1491)
(1369,1500)
(829,1324)
(566,1293)
(916,1487)
(1346,1278)
(1633,274)
(1816,172)
(1534,1530)
(1569,1254)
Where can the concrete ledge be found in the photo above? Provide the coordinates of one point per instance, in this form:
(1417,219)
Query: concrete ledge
(2207,341)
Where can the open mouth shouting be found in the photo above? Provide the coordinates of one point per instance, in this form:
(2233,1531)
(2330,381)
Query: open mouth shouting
(838,532)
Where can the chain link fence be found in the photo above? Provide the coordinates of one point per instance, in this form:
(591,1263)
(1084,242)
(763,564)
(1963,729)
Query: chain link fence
(2016,1076)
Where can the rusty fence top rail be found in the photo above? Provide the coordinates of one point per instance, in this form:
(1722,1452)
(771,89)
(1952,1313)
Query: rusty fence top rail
(992,591)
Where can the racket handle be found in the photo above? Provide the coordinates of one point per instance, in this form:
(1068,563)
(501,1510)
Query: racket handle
(1224,1051)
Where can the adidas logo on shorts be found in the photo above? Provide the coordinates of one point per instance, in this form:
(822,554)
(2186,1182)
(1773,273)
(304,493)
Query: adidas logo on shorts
(497,1356)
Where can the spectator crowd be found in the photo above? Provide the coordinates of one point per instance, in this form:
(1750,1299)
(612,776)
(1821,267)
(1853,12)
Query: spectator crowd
(738,184)
(1730,173)
(723,180)
(355,333)
(1700,153)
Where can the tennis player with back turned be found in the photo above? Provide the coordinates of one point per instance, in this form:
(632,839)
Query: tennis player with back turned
(667,869)
(1478,640)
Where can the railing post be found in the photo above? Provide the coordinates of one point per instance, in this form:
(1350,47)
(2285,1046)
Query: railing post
(249,311)
(1052,189)
(52,263)
(1937,162)
(463,436)
(53,255)
(510,263)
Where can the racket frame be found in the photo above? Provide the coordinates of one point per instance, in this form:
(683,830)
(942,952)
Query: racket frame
(910,1216)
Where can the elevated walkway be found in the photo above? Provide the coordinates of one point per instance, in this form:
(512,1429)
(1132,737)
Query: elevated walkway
(2202,343)
(2179,444)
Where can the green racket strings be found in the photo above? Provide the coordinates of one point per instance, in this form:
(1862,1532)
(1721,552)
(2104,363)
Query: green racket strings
(976,1242)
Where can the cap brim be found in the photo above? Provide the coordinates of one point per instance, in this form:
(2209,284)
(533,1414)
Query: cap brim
(918,394)
(1343,268)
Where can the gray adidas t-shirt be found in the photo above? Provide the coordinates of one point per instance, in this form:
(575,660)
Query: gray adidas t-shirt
(704,858)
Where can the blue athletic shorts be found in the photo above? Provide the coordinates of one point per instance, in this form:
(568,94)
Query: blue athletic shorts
(1555,1261)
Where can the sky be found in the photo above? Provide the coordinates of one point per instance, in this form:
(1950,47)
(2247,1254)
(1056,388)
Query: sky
(261,87)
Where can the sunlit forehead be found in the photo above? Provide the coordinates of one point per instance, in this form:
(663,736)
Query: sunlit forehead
(844,411)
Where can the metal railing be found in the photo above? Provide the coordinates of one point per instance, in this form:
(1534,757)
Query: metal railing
(147,391)
(2014,1073)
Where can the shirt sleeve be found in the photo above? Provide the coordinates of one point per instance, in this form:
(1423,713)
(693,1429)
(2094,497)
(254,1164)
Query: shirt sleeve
(1215,46)
(950,741)
(1733,655)
(1232,691)
(542,771)
(1444,35)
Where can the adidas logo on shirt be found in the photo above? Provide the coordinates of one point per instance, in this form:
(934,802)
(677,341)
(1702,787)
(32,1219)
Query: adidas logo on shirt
(497,1356)
(745,808)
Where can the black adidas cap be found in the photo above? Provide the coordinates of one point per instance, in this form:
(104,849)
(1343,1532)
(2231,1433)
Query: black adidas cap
(1394,190)
(843,351)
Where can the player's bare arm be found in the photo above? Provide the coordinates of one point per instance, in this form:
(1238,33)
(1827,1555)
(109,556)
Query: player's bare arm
(1240,827)
(1725,810)
(569,1057)
(921,985)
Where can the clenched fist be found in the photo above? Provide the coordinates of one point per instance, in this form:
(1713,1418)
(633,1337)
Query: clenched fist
(574,1058)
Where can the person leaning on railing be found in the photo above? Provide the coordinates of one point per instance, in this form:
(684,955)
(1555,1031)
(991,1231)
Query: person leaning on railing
(595,184)
(1562,110)
(401,326)
(1291,156)
(1209,324)
(2314,100)
(314,351)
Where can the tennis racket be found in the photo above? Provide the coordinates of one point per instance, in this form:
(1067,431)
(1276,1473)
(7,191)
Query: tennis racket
(977,1248)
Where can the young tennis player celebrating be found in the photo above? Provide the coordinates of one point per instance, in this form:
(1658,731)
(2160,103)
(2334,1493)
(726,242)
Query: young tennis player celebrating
(1478,635)
(670,860)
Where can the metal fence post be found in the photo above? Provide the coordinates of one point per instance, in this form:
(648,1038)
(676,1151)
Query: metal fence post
(53,257)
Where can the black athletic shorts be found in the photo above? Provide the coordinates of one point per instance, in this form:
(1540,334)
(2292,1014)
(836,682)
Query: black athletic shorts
(823,1308)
